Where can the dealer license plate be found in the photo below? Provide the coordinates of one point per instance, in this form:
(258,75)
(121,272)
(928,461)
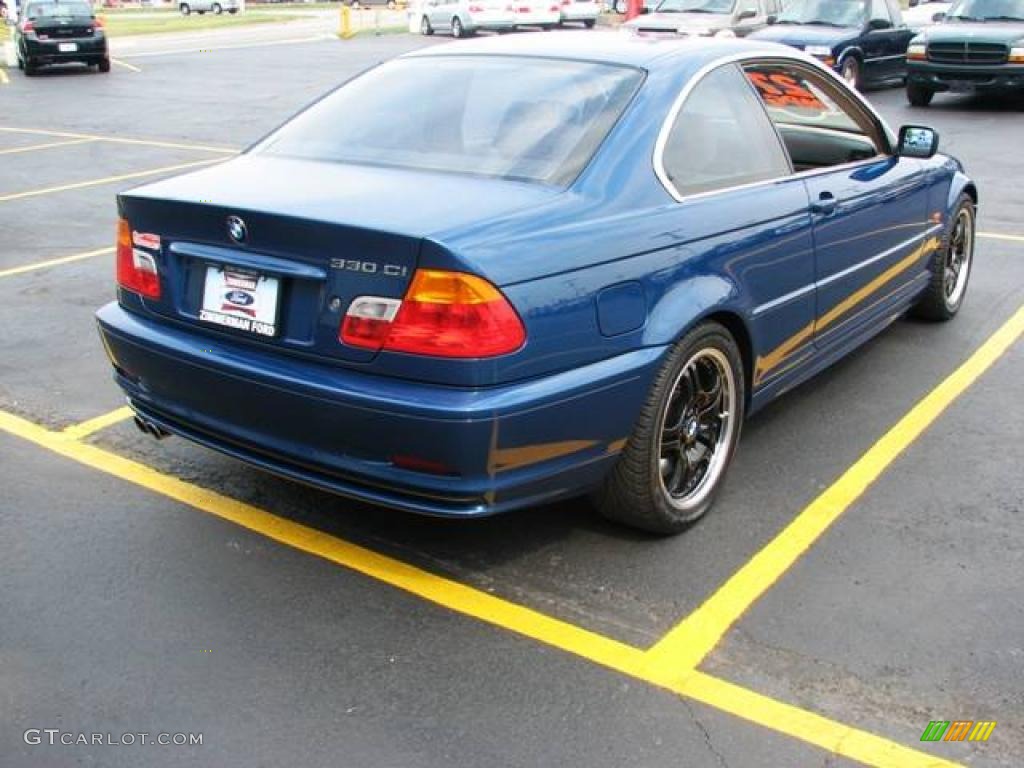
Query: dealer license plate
(246,301)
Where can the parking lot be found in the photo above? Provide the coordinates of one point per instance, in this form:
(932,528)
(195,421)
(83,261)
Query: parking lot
(859,578)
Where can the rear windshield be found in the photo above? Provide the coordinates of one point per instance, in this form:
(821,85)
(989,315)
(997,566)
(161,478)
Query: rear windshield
(509,117)
(45,10)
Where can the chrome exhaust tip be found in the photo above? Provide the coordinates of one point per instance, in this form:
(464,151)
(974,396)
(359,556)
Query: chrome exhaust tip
(149,428)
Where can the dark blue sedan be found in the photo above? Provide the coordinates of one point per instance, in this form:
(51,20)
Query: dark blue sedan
(865,41)
(502,272)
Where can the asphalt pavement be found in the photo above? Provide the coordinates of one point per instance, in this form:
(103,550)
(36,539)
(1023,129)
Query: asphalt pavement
(302,629)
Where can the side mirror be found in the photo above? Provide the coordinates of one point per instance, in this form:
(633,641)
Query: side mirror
(748,13)
(876,25)
(771,19)
(940,16)
(917,141)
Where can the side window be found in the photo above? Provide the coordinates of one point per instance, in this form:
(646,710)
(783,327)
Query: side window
(721,138)
(880,12)
(819,126)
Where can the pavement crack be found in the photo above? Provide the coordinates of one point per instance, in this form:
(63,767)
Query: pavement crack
(719,757)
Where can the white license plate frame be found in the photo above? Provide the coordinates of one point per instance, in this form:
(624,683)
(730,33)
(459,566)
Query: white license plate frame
(241,299)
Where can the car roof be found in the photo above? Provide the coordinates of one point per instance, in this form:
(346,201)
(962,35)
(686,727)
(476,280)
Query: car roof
(621,47)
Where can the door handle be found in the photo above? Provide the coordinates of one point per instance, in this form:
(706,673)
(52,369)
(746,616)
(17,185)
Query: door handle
(826,204)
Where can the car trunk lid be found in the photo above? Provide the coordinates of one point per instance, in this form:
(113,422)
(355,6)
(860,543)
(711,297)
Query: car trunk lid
(274,250)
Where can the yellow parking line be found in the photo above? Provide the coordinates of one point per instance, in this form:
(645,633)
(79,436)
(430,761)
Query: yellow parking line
(48,145)
(85,428)
(126,65)
(105,180)
(121,140)
(753,707)
(53,262)
(683,648)
(1000,236)
(797,723)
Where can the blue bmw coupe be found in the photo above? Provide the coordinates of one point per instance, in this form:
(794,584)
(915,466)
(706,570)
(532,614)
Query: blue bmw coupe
(505,271)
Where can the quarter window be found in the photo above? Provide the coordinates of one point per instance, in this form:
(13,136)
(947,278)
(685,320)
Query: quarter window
(721,138)
(819,126)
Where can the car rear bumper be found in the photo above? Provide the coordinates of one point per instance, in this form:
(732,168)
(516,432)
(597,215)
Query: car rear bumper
(580,14)
(940,77)
(48,51)
(489,450)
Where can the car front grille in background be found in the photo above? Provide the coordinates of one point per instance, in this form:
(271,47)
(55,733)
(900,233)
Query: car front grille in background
(968,53)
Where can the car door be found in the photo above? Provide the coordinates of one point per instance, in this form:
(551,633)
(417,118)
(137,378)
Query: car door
(741,224)
(880,43)
(872,232)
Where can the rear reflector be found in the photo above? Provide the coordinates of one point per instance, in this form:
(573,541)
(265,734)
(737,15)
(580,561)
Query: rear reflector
(136,269)
(418,464)
(443,314)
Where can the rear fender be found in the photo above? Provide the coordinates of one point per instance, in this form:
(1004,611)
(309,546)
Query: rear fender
(685,304)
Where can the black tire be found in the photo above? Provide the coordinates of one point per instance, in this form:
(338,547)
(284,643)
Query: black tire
(29,68)
(391,5)
(217,9)
(457,30)
(185,9)
(850,71)
(425,28)
(636,491)
(232,11)
(620,6)
(104,64)
(356,5)
(952,260)
(21,64)
(589,23)
(919,95)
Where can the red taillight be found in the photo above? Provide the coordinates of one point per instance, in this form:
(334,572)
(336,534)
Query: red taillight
(136,269)
(443,314)
(98,23)
(476,9)
(553,9)
(27,26)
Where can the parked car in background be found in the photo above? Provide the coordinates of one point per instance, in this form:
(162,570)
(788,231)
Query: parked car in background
(217,7)
(723,18)
(357,4)
(580,11)
(923,15)
(537,13)
(978,46)
(621,6)
(865,41)
(462,18)
(572,265)
(52,32)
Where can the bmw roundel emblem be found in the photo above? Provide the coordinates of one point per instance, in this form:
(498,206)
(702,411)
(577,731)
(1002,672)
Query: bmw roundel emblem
(236,229)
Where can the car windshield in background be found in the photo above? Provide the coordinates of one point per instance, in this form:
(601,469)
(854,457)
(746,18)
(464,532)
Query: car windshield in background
(695,6)
(55,10)
(829,13)
(520,118)
(988,10)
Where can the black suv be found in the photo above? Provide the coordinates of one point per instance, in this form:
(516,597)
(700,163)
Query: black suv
(979,46)
(58,32)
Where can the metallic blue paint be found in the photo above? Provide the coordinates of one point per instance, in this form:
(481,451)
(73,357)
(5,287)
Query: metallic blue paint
(605,275)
